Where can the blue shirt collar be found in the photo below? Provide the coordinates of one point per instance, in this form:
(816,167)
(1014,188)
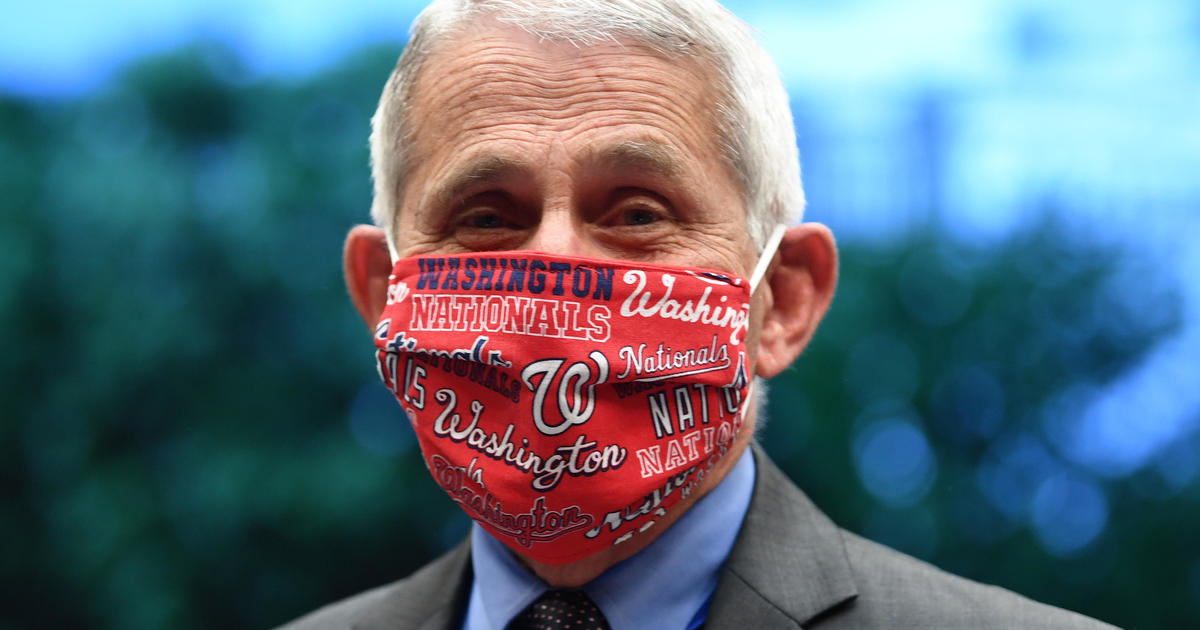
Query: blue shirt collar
(664,585)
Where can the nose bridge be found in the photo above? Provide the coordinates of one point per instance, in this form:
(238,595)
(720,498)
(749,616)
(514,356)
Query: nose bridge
(559,230)
(560,226)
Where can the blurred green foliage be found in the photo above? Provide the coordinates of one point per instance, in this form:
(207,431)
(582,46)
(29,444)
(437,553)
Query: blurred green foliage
(194,437)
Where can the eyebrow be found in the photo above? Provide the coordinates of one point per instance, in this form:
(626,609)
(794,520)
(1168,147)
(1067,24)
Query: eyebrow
(638,155)
(482,170)
(626,155)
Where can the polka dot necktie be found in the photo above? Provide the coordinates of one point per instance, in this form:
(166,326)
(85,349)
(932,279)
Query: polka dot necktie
(561,610)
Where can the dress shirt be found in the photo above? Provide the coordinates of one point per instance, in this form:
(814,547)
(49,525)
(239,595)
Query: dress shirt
(666,585)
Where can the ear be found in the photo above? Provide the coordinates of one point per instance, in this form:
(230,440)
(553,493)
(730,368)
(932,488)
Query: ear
(799,290)
(367,265)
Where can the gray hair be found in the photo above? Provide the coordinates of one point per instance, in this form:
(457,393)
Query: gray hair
(757,136)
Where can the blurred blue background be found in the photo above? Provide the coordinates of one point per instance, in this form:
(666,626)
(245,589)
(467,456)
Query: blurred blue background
(193,436)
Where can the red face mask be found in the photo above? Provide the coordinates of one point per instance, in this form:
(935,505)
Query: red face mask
(565,404)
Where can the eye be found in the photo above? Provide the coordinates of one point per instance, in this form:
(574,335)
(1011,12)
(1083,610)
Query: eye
(640,216)
(485,220)
(484,212)
(635,207)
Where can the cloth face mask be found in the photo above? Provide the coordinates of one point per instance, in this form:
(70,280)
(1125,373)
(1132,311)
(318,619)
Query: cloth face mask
(566,404)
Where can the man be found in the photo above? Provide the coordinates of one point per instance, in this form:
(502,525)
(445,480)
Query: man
(630,159)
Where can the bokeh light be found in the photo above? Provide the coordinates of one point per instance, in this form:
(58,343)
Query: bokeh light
(375,423)
(894,461)
(1069,512)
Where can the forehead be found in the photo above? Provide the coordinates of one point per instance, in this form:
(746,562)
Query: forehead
(492,85)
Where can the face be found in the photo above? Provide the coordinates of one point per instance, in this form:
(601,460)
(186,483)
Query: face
(600,151)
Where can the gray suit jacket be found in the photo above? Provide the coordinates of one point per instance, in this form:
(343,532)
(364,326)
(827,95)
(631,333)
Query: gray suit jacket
(791,567)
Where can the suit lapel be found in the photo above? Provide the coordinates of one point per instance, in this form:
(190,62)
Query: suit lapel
(444,619)
(788,565)
(442,591)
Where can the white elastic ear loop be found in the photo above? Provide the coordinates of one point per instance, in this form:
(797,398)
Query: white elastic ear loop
(768,254)
(391,247)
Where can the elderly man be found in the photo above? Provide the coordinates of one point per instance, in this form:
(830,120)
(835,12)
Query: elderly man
(580,272)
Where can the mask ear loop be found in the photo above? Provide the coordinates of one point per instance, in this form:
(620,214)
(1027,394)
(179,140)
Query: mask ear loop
(760,270)
(391,247)
(768,254)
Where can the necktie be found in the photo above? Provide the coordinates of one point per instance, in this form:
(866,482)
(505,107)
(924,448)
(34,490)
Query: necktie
(560,610)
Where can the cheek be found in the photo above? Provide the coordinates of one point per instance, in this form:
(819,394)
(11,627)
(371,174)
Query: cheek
(761,303)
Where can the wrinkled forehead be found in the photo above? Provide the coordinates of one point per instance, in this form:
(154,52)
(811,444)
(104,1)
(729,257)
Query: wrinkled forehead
(512,70)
